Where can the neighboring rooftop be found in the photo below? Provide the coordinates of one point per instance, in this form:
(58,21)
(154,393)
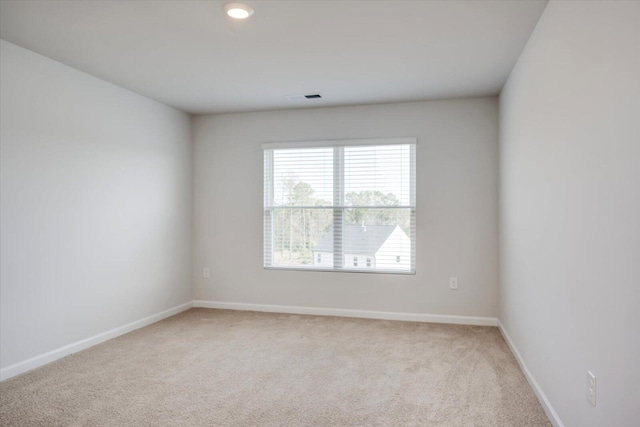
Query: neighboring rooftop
(358,239)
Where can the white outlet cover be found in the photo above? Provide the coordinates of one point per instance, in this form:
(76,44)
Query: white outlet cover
(453,283)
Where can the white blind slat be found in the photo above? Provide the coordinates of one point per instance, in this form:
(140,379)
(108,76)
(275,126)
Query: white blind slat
(338,143)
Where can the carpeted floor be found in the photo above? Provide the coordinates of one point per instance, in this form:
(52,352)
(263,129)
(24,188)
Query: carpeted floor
(228,368)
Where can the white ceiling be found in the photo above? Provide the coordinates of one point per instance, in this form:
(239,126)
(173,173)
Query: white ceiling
(189,55)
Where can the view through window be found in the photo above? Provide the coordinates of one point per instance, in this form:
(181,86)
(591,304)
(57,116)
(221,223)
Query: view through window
(347,205)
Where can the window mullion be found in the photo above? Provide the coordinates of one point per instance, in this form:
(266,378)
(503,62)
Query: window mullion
(338,206)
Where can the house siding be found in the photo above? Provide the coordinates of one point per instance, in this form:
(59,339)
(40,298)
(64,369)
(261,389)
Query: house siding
(397,245)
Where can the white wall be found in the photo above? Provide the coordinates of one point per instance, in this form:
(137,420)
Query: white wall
(570,209)
(95,206)
(457,206)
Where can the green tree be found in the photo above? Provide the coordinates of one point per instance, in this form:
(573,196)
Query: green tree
(297,231)
(302,195)
(370,216)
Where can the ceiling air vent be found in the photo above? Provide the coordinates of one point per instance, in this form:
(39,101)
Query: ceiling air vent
(302,97)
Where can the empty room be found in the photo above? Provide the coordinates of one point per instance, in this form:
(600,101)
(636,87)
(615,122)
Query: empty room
(320,213)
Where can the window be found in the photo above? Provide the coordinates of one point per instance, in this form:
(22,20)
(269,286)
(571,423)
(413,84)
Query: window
(341,199)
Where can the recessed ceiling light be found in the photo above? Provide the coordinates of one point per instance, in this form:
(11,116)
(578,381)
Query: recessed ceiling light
(238,10)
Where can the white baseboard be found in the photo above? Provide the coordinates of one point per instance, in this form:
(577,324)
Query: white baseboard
(365,314)
(546,405)
(59,353)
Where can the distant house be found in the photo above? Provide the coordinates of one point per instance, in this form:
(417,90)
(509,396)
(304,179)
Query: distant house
(367,247)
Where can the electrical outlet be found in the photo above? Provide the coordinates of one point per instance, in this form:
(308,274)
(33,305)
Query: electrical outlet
(453,283)
(206,273)
(591,388)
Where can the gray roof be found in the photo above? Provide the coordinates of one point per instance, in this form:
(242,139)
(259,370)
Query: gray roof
(357,239)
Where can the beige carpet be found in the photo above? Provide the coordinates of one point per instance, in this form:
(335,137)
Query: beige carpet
(227,368)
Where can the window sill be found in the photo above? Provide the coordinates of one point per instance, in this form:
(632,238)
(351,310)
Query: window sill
(329,270)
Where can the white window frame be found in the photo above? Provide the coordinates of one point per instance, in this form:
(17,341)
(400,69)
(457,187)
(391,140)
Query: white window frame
(338,205)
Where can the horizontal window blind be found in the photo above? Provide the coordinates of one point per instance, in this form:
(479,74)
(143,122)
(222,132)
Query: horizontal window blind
(345,207)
